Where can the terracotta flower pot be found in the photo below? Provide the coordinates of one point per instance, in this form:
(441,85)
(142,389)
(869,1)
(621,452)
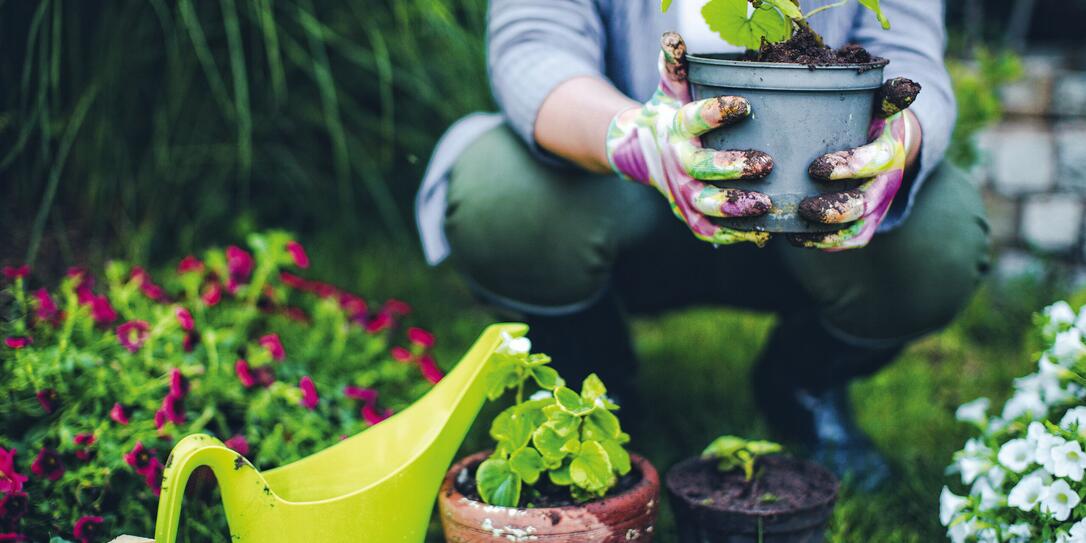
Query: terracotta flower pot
(711,507)
(628,516)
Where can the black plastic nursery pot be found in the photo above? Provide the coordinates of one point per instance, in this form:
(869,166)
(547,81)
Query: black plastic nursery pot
(715,507)
(799,113)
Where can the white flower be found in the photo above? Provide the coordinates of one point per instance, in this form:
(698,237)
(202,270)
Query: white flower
(996,476)
(962,531)
(1080,322)
(1028,492)
(1051,382)
(1068,347)
(1023,402)
(975,412)
(541,395)
(1042,442)
(1060,500)
(1019,533)
(973,460)
(950,504)
(1068,461)
(1016,455)
(512,345)
(1078,532)
(1076,416)
(988,497)
(1060,313)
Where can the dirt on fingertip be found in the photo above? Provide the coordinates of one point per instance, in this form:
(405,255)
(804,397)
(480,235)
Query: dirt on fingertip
(804,48)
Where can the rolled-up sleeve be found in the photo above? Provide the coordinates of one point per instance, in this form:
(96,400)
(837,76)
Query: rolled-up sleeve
(535,45)
(915,46)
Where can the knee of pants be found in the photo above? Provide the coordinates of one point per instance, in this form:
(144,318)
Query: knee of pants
(523,233)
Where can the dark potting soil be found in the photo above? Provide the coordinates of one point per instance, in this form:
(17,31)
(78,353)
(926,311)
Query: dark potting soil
(781,484)
(544,493)
(804,48)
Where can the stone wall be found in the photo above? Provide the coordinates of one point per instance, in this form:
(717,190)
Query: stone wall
(1033,173)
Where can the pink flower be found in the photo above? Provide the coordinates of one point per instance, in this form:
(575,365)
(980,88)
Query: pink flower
(101,310)
(212,294)
(12,537)
(18,342)
(147,286)
(273,345)
(309,393)
(173,410)
(188,343)
(379,322)
(47,464)
(13,507)
(16,272)
(400,354)
(118,415)
(294,281)
(10,480)
(184,318)
(420,337)
(297,252)
(140,458)
(48,400)
(87,529)
(373,416)
(160,419)
(367,395)
(190,264)
(265,375)
(84,442)
(238,444)
(429,369)
(397,307)
(238,262)
(47,308)
(353,306)
(245,374)
(179,386)
(133,334)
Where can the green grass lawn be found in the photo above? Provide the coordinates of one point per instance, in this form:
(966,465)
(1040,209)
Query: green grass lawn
(695,366)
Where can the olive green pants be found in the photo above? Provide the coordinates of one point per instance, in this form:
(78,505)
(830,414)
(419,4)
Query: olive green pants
(548,241)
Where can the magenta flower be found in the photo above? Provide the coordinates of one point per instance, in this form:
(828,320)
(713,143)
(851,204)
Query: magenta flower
(88,529)
(245,373)
(379,322)
(16,272)
(354,306)
(420,337)
(373,416)
(160,419)
(188,343)
(101,310)
(84,442)
(147,286)
(396,307)
(47,308)
(400,354)
(367,395)
(265,375)
(294,281)
(48,400)
(12,537)
(238,262)
(297,252)
(118,414)
(190,264)
(173,410)
(212,294)
(13,507)
(10,480)
(273,345)
(179,385)
(238,444)
(47,464)
(140,458)
(309,393)
(184,318)
(133,334)
(18,342)
(429,369)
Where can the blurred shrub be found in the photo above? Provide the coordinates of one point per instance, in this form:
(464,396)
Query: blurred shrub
(976,87)
(160,123)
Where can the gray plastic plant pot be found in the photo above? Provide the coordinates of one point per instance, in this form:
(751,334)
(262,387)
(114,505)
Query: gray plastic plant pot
(798,113)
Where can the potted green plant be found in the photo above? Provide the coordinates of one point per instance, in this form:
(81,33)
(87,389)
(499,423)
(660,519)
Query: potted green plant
(741,491)
(559,470)
(807,99)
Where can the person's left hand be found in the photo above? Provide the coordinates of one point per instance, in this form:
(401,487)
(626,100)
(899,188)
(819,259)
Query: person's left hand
(895,136)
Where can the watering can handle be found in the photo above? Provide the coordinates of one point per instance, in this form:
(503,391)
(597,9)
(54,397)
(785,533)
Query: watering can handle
(190,453)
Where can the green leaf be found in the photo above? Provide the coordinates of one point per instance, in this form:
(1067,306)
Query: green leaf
(873,5)
(560,476)
(762,448)
(664,4)
(549,444)
(537,359)
(591,469)
(545,376)
(502,375)
(729,19)
(562,422)
(513,427)
(620,459)
(571,402)
(497,484)
(527,464)
(786,7)
(592,388)
(601,425)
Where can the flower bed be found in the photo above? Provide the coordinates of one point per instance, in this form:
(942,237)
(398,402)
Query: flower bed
(1024,472)
(99,378)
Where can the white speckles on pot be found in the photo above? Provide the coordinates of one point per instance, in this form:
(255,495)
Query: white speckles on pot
(511,533)
(632,534)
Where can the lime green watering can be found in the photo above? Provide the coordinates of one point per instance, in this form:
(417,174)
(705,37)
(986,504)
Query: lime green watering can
(378,486)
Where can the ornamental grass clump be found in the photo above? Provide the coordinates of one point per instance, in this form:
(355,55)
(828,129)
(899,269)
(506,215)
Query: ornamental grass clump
(1023,474)
(101,375)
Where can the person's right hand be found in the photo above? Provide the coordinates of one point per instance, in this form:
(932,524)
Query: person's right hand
(657,144)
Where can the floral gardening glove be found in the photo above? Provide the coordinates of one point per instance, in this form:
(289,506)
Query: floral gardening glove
(881,163)
(657,145)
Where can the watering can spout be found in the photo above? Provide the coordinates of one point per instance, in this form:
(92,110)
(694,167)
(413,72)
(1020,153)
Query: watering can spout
(379,485)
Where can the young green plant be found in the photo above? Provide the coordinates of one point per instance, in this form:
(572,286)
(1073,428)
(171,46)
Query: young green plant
(733,453)
(572,438)
(771,21)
